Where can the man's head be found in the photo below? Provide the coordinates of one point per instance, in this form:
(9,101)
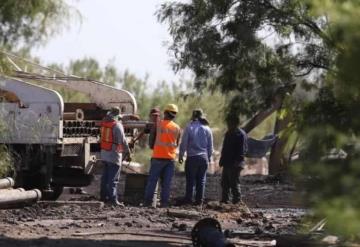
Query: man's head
(232,121)
(170,111)
(114,113)
(154,111)
(197,114)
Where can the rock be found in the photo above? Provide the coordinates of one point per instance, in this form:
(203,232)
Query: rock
(330,239)
(182,227)
(128,224)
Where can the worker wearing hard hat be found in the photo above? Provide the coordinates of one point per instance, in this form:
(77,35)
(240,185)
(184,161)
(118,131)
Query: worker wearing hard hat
(114,148)
(164,143)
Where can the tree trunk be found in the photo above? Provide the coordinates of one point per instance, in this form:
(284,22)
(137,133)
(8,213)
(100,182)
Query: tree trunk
(261,116)
(277,163)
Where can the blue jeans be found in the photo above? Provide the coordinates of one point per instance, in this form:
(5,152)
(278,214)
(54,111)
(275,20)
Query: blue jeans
(164,169)
(195,171)
(109,182)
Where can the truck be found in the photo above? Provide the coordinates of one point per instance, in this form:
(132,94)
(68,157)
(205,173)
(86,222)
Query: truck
(53,143)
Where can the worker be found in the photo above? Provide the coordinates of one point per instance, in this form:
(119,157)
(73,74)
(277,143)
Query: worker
(197,143)
(164,142)
(151,126)
(114,148)
(232,159)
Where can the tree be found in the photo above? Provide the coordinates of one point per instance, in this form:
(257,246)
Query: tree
(331,126)
(28,22)
(24,24)
(255,51)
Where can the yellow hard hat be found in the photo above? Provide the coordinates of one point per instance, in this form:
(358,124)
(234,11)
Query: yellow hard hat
(171,108)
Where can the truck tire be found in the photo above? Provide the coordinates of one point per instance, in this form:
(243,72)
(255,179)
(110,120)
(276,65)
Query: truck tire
(52,195)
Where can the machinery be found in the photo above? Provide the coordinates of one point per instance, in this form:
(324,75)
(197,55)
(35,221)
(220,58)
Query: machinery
(207,233)
(56,144)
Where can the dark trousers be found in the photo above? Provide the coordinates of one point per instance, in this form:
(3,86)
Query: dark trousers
(109,182)
(230,182)
(195,171)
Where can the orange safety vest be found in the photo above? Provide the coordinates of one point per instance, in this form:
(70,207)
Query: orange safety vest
(167,133)
(106,140)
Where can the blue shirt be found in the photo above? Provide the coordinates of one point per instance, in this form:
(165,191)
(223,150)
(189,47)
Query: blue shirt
(196,140)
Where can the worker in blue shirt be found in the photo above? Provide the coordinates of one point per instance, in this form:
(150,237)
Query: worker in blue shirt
(197,143)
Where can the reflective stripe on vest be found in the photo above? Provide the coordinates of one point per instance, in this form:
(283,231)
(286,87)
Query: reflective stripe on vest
(167,133)
(107,137)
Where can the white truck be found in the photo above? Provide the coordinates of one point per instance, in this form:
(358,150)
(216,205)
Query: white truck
(56,144)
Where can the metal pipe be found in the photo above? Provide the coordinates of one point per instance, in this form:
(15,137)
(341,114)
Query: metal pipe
(69,116)
(79,115)
(136,124)
(13,198)
(6,183)
(207,233)
(11,190)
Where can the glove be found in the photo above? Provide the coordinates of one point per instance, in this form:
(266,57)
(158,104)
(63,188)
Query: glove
(181,160)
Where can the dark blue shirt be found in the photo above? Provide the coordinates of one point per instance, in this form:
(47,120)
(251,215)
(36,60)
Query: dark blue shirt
(234,148)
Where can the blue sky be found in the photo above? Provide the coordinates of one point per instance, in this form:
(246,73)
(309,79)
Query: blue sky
(120,30)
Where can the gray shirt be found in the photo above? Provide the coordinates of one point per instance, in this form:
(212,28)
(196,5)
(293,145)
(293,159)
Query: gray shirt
(118,138)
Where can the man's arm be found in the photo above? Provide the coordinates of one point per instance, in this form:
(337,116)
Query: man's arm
(239,155)
(119,138)
(221,161)
(210,146)
(184,143)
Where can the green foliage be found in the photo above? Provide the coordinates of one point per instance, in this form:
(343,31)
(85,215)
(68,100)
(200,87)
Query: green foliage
(6,167)
(330,124)
(28,22)
(226,41)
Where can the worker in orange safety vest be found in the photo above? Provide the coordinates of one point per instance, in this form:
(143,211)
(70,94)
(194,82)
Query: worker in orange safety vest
(164,142)
(114,148)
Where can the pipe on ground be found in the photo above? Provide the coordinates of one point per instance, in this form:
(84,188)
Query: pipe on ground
(6,183)
(9,199)
(11,190)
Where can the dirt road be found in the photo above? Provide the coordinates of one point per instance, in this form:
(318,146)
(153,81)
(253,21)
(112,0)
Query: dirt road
(82,221)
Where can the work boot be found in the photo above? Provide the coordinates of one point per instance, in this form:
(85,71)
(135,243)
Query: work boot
(80,191)
(117,204)
(198,203)
(237,200)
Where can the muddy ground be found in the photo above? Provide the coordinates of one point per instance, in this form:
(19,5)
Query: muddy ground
(80,220)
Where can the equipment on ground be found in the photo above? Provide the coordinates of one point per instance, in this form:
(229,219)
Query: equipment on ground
(207,233)
(10,197)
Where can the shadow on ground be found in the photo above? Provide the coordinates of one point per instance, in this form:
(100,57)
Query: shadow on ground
(66,242)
